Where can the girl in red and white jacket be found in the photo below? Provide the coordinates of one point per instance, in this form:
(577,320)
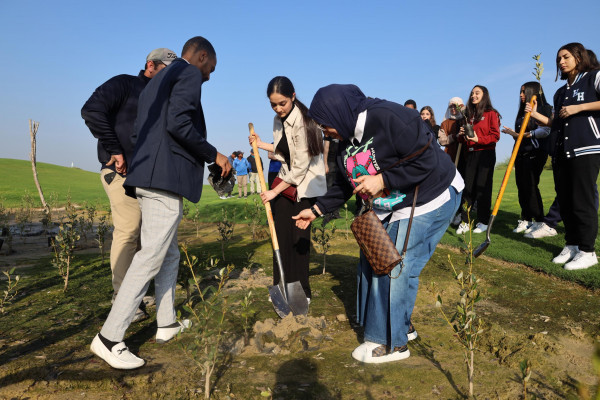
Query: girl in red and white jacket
(480,157)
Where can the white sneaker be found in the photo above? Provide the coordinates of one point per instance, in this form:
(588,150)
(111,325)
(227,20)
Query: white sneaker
(364,353)
(582,260)
(566,254)
(165,334)
(542,230)
(462,228)
(119,357)
(456,220)
(480,228)
(522,226)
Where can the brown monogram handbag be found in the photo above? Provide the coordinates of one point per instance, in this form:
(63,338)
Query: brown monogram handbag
(376,244)
(372,237)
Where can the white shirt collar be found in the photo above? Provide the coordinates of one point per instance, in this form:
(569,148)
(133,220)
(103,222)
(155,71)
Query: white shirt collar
(359,129)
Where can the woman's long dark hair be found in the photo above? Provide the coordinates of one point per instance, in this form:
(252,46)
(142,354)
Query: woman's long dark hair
(432,118)
(283,86)
(581,56)
(476,111)
(530,89)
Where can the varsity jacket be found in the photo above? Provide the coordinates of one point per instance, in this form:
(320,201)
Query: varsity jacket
(391,132)
(110,113)
(579,134)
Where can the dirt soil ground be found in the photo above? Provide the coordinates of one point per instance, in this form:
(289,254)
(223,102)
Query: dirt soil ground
(528,316)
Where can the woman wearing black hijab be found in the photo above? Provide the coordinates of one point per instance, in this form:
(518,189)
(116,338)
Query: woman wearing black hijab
(375,134)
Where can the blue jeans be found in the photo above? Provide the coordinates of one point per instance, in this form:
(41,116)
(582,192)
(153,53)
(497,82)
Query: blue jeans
(385,305)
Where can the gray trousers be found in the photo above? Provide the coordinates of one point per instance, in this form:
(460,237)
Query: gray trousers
(158,259)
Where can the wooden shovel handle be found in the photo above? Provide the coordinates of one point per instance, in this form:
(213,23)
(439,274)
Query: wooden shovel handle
(263,186)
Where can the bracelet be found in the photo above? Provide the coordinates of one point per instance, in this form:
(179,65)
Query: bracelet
(314,211)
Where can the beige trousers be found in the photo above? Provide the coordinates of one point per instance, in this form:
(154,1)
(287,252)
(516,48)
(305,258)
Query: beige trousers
(254,180)
(127,219)
(242,182)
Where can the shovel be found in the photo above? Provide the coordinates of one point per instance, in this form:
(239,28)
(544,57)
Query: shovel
(286,297)
(483,246)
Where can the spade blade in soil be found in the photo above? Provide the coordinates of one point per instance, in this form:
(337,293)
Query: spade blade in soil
(297,298)
(280,305)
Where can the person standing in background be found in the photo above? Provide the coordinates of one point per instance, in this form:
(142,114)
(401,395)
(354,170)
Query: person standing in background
(242,169)
(480,158)
(254,179)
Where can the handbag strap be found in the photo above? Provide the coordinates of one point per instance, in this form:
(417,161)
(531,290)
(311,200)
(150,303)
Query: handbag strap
(413,155)
(410,220)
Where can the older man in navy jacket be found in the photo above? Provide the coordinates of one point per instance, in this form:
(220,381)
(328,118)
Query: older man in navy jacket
(168,164)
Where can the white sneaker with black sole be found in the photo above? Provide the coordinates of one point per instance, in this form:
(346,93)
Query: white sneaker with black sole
(167,333)
(582,260)
(566,255)
(118,357)
(541,231)
(364,353)
(480,228)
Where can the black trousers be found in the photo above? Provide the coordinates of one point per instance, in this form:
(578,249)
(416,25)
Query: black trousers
(478,168)
(575,183)
(528,169)
(294,243)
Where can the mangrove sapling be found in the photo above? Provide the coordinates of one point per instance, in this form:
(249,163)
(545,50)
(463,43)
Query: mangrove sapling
(322,236)
(225,227)
(48,218)
(195,217)
(208,307)
(90,217)
(248,313)
(256,214)
(465,322)
(525,367)
(347,219)
(10,291)
(199,263)
(101,231)
(64,249)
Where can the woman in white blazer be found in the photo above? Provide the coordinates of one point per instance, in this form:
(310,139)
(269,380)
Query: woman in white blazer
(298,144)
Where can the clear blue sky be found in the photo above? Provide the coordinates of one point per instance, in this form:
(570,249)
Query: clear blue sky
(55,53)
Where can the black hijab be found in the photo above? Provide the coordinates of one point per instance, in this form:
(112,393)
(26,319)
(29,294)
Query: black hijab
(338,106)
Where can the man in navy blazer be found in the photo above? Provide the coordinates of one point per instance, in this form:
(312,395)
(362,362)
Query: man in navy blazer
(167,165)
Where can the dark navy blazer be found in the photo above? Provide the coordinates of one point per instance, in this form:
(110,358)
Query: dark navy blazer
(171,146)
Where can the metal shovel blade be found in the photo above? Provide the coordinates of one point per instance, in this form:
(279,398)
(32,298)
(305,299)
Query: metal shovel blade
(483,246)
(287,297)
(297,298)
(280,305)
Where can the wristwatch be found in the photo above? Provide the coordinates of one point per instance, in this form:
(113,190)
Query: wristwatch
(314,211)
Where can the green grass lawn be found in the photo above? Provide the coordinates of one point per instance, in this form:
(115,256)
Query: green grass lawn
(85,186)
(16,179)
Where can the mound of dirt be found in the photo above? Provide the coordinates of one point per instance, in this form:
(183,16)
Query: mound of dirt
(290,334)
